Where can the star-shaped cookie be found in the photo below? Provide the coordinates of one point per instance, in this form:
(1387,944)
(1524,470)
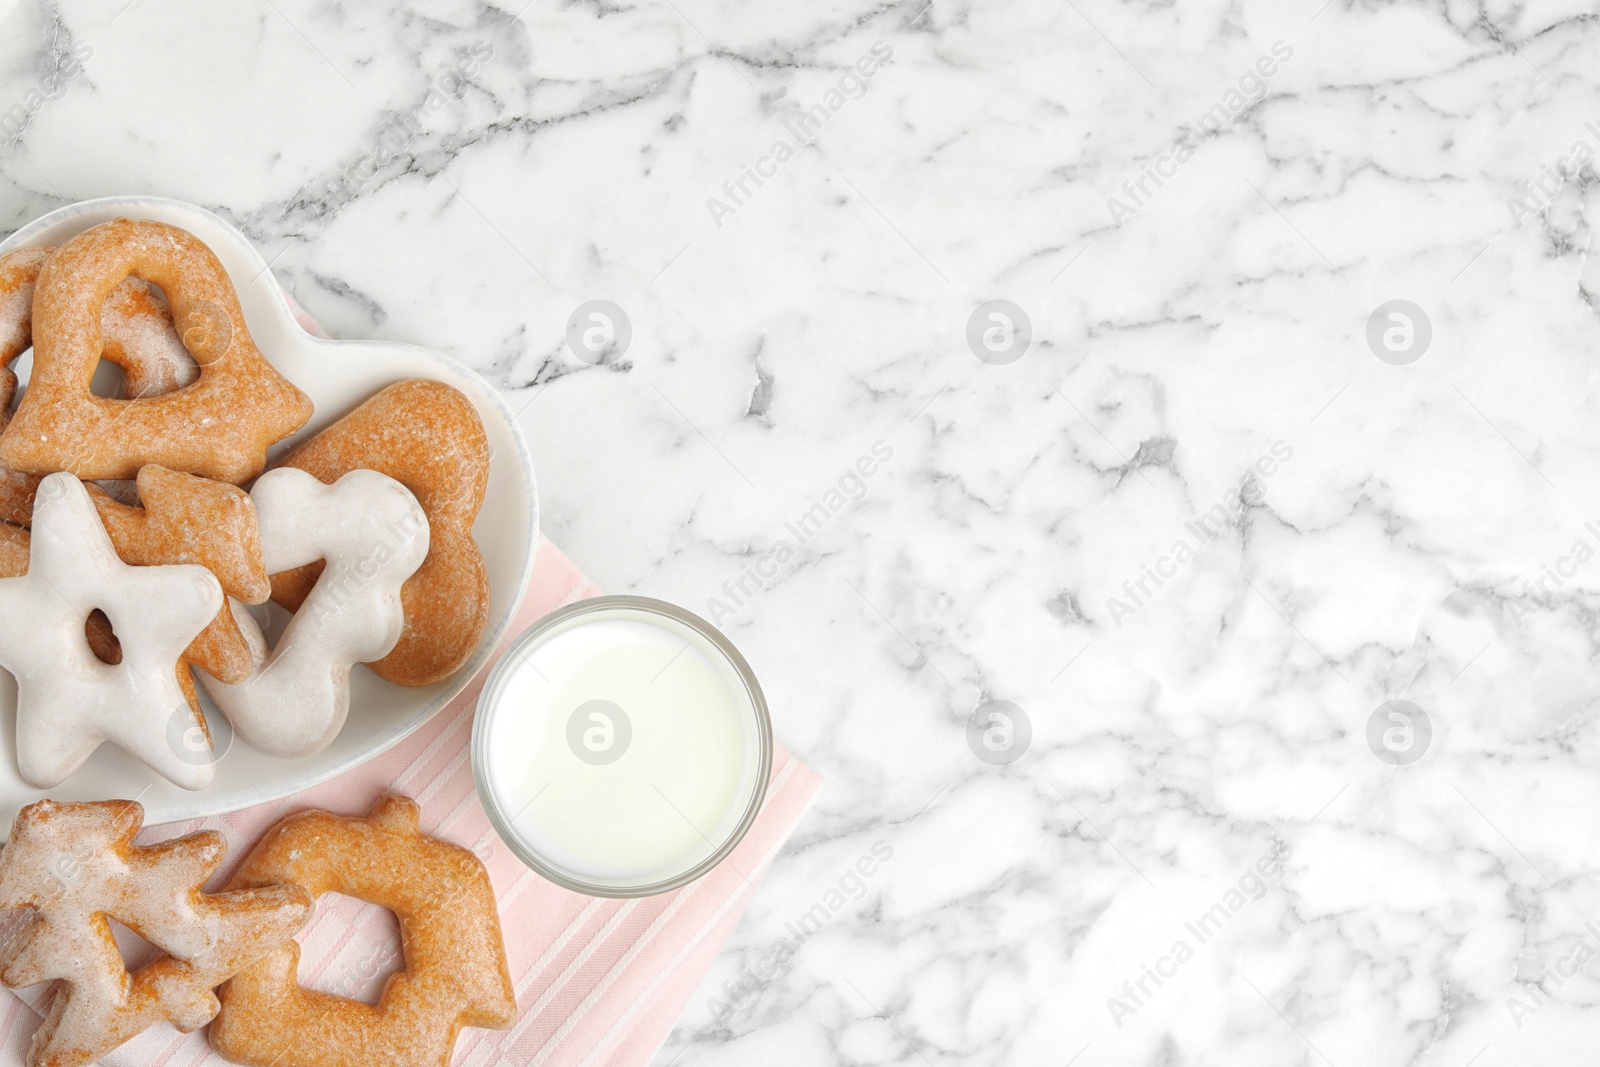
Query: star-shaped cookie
(68,701)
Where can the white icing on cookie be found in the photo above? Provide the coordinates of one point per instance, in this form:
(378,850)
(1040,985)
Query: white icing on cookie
(68,701)
(373,535)
(73,866)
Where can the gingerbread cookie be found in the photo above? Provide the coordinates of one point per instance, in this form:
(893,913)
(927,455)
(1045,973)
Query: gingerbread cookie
(17,273)
(75,866)
(139,337)
(13,550)
(14,547)
(372,536)
(68,701)
(186,519)
(456,973)
(219,427)
(428,437)
(16,496)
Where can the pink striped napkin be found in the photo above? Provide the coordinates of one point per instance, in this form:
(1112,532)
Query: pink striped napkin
(599,982)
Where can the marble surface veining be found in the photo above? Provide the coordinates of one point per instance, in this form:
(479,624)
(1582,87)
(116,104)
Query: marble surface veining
(1197,535)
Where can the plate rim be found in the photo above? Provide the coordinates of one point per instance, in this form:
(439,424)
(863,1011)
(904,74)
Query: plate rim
(495,631)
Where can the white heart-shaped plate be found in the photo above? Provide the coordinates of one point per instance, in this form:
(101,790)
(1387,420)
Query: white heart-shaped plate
(337,375)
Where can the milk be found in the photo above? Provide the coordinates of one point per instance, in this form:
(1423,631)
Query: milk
(620,748)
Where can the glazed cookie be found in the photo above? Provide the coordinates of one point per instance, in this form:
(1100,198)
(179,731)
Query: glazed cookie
(13,549)
(75,866)
(18,270)
(219,427)
(186,519)
(428,437)
(372,535)
(15,543)
(139,337)
(16,496)
(68,701)
(137,325)
(455,976)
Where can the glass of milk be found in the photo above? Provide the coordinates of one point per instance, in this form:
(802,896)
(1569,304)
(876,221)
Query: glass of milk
(621,746)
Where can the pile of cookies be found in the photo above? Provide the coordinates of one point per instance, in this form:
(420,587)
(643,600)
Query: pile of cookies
(135,532)
(136,529)
(74,866)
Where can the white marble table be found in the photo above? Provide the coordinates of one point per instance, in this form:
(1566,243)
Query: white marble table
(1198,208)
